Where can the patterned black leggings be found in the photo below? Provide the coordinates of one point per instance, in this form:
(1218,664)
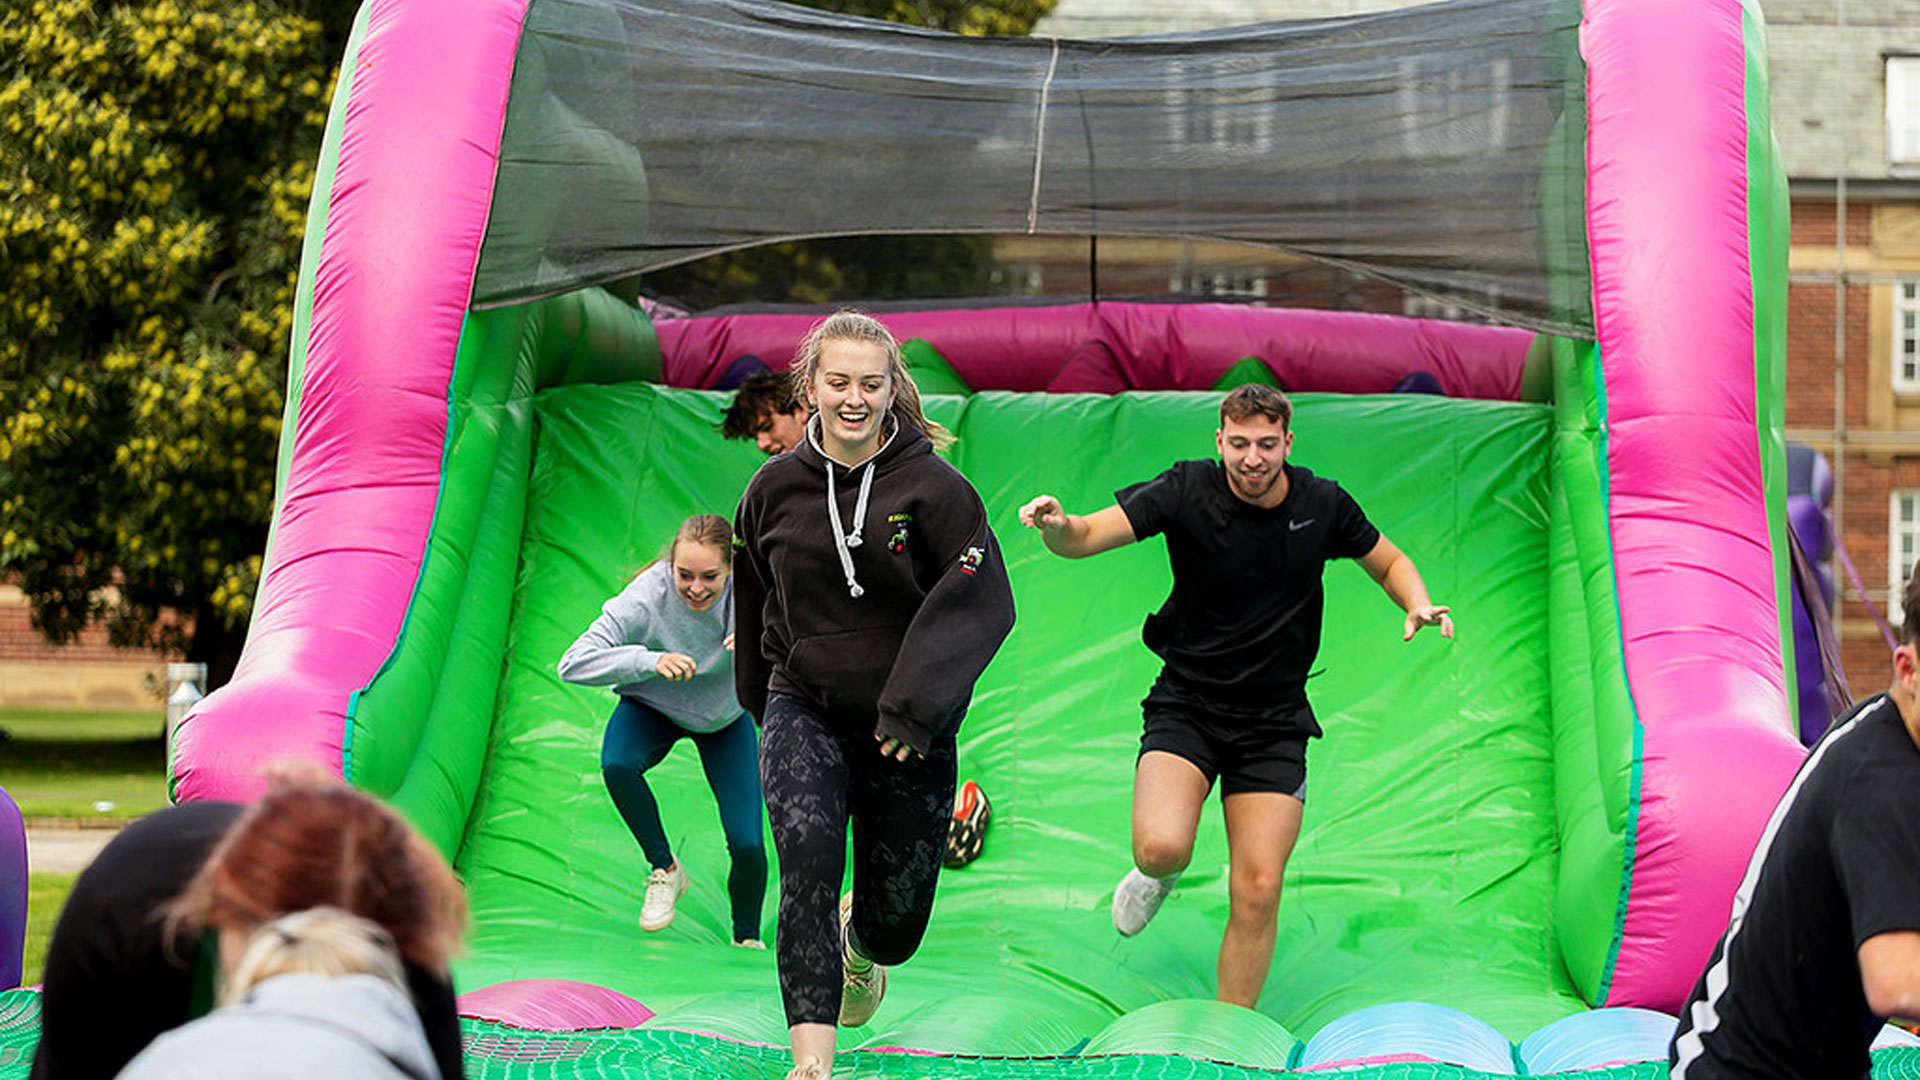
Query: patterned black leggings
(819,772)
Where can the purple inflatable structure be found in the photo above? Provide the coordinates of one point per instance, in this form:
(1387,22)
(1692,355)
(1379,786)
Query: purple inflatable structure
(13,892)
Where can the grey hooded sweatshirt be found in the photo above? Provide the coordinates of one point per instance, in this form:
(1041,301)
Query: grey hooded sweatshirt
(647,620)
(297,1027)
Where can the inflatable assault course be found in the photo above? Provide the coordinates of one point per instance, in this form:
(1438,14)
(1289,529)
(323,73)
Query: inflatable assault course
(1519,845)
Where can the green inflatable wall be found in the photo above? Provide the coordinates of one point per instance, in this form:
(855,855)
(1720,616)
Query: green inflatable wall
(1426,867)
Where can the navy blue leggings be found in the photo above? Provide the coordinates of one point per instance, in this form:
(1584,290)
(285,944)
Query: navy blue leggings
(638,737)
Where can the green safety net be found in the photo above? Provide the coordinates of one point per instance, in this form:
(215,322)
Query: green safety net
(499,1053)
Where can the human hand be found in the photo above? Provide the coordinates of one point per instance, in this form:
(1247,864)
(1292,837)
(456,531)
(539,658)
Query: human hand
(675,666)
(894,748)
(1043,512)
(729,643)
(1427,615)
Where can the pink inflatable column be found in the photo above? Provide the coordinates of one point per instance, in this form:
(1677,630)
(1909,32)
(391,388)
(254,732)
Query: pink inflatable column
(1667,214)
(408,206)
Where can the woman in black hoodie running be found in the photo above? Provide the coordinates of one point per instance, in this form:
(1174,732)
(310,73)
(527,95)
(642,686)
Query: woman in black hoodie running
(869,595)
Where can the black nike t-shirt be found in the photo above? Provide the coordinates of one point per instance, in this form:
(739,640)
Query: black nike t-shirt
(1838,862)
(1241,628)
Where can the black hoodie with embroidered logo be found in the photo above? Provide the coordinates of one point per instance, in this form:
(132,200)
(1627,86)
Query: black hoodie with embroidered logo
(894,614)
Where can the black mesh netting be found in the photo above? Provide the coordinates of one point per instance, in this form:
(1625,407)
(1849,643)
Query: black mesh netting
(1436,148)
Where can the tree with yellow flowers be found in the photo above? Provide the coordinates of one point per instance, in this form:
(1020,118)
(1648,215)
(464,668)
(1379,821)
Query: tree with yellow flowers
(156,158)
(155,164)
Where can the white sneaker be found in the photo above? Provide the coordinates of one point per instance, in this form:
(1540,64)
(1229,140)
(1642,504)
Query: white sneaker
(1136,900)
(864,982)
(663,891)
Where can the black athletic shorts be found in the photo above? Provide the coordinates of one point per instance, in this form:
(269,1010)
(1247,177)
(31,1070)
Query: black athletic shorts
(1244,754)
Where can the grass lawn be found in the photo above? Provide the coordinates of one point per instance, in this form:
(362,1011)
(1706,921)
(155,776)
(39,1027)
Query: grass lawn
(46,895)
(67,764)
(83,725)
(78,764)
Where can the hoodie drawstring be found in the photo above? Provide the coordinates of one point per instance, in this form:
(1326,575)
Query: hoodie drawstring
(842,539)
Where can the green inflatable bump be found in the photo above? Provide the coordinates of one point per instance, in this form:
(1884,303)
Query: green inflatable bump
(1247,369)
(1198,1028)
(930,371)
(747,1015)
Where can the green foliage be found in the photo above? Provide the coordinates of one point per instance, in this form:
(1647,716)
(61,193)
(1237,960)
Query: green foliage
(156,159)
(155,164)
(836,269)
(862,267)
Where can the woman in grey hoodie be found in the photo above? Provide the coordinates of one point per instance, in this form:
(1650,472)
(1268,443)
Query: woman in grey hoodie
(665,646)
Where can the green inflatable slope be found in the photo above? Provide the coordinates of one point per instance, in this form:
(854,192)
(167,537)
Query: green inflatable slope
(1426,869)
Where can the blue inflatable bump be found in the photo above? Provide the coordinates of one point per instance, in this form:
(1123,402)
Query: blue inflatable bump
(1207,1029)
(1893,1036)
(1415,1029)
(1590,1040)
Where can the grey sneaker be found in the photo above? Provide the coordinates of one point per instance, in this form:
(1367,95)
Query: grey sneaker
(1136,900)
(865,982)
(663,892)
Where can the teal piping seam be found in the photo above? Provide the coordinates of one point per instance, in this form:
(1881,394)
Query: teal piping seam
(1631,835)
(1761,224)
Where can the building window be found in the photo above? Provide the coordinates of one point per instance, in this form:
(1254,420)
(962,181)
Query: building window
(1906,337)
(1225,105)
(1450,109)
(1903,545)
(1903,115)
(1421,306)
(1239,284)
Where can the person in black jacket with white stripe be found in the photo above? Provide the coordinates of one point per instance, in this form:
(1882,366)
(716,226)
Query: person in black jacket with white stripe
(869,596)
(1824,937)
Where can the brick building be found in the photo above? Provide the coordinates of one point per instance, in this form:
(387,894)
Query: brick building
(1846,104)
(88,674)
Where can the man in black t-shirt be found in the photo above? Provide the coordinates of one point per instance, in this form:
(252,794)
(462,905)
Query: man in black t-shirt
(1824,939)
(1247,537)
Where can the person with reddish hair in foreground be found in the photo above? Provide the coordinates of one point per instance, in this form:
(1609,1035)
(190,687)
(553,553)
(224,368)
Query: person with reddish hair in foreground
(136,950)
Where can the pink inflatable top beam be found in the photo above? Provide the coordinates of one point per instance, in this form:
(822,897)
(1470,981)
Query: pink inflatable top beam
(408,208)
(1694,571)
(1112,346)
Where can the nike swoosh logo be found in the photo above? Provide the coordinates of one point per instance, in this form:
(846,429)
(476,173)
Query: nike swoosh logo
(1296,526)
